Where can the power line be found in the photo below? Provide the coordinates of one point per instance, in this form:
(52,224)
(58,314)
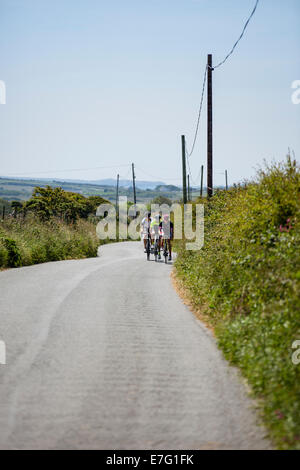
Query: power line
(194,181)
(127,174)
(190,171)
(129,165)
(64,171)
(208,69)
(198,176)
(199,114)
(241,35)
(157,177)
(189,154)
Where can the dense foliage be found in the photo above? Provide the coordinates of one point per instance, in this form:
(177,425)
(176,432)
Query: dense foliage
(246,281)
(53,225)
(55,202)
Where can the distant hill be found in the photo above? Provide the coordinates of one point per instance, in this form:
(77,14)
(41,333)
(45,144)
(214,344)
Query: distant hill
(103,182)
(166,188)
(128,183)
(18,189)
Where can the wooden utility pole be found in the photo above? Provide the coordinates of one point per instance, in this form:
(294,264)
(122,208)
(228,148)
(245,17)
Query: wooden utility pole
(3,212)
(183,169)
(117,195)
(201,185)
(133,183)
(226,180)
(209,128)
(189,191)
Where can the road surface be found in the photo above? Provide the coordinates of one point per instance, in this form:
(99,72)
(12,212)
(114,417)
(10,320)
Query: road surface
(102,354)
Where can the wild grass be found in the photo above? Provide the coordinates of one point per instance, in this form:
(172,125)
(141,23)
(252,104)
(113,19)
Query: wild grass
(29,241)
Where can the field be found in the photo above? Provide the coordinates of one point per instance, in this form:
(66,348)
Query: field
(21,190)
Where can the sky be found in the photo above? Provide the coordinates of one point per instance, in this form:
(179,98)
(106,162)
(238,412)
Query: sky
(94,85)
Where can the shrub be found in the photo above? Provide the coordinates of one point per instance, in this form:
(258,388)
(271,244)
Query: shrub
(13,256)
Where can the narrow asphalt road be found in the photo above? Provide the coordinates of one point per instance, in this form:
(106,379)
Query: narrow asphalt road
(102,354)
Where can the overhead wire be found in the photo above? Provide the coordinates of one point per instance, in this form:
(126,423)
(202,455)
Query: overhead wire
(189,154)
(67,170)
(199,114)
(157,177)
(239,39)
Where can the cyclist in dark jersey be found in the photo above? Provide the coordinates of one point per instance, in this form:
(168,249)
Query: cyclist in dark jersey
(168,230)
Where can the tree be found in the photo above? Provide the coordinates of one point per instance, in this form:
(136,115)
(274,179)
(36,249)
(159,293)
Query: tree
(55,202)
(161,200)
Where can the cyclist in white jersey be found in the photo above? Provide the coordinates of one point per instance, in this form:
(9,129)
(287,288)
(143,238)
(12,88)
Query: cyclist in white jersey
(145,227)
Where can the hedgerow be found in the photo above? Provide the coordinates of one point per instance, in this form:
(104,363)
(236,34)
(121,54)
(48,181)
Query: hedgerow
(246,282)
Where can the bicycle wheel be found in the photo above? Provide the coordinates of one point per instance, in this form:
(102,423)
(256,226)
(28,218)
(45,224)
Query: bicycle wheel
(155,251)
(166,252)
(148,249)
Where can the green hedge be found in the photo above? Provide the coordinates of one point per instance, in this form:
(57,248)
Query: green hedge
(246,281)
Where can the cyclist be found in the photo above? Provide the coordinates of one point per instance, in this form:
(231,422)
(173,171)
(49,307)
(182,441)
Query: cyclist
(145,227)
(156,231)
(167,227)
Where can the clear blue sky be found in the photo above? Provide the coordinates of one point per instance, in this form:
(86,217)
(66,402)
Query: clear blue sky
(98,83)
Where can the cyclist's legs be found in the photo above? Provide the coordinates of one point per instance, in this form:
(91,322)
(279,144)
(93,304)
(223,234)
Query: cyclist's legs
(170,246)
(165,240)
(145,237)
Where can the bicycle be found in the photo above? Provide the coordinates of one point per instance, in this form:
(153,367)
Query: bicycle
(156,245)
(148,245)
(166,250)
(156,238)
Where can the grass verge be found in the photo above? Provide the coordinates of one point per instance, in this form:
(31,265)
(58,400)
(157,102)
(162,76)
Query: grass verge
(30,241)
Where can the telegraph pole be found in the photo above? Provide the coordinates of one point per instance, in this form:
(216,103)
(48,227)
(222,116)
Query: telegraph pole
(117,195)
(226,180)
(133,183)
(201,186)
(209,128)
(189,192)
(183,169)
